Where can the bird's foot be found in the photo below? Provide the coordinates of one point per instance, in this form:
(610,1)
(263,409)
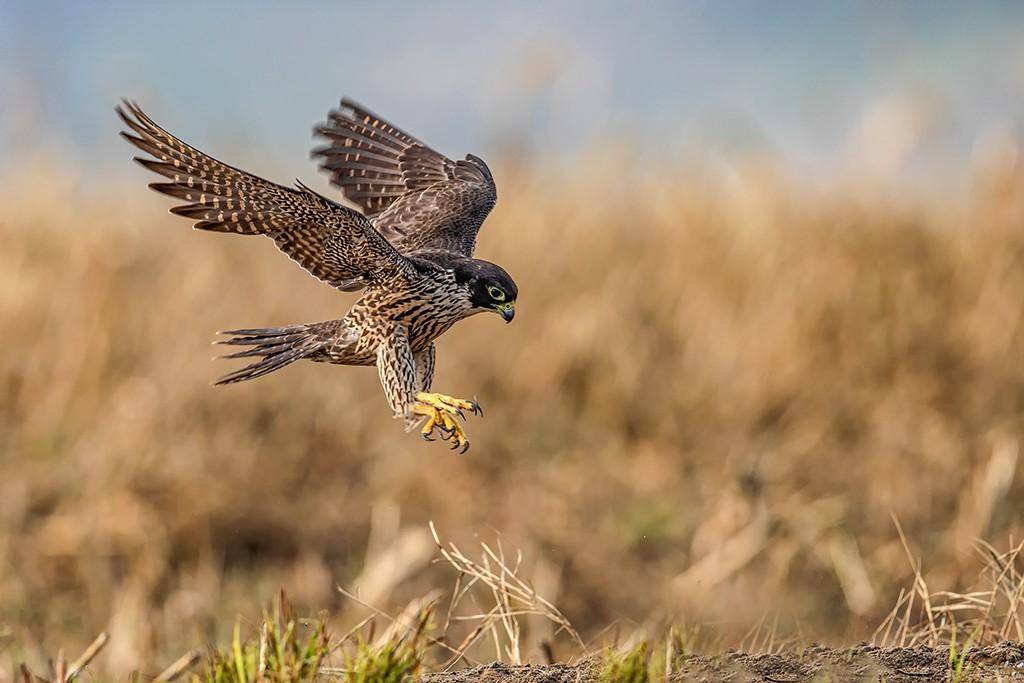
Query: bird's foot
(449,404)
(441,411)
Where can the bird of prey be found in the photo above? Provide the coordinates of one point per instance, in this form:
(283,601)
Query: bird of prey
(410,250)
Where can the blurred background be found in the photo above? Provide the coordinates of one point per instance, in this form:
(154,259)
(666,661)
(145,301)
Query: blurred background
(771,262)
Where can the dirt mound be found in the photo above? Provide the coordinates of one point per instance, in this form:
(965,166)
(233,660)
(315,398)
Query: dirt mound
(526,673)
(816,663)
(860,663)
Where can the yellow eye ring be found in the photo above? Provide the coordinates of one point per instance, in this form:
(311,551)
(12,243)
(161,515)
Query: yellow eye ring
(496,293)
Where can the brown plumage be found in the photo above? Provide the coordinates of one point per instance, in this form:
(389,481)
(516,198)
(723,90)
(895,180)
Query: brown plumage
(410,251)
(417,198)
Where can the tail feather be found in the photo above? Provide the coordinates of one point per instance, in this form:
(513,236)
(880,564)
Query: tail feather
(263,350)
(278,346)
(253,337)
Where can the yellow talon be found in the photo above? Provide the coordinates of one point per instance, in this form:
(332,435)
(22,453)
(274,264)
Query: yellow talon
(427,432)
(458,438)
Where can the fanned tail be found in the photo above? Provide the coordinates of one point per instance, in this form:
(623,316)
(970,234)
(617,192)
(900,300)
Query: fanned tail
(278,346)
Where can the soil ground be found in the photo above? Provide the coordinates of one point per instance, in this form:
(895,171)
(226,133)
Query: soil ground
(1003,662)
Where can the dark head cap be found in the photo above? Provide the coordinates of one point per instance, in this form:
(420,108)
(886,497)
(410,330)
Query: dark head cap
(491,288)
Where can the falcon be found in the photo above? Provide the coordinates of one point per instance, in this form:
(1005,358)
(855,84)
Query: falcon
(408,251)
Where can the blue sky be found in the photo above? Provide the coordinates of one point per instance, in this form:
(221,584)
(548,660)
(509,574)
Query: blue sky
(793,78)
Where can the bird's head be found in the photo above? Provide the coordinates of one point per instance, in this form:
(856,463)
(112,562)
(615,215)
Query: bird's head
(490,287)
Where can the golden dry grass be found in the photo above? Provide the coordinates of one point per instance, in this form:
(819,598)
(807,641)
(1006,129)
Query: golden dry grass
(713,398)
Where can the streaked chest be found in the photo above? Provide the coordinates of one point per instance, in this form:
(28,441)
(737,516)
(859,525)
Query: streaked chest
(426,309)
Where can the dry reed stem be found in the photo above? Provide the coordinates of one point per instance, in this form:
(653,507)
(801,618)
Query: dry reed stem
(761,638)
(90,653)
(261,666)
(183,663)
(507,588)
(513,597)
(61,668)
(64,672)
(395,621)
(990,614)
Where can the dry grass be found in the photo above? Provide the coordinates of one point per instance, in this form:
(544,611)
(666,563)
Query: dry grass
(714,396)
(60,669)
(988,612)
(513,599)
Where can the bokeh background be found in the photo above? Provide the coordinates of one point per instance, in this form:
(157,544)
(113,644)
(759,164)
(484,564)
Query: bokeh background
(771,262)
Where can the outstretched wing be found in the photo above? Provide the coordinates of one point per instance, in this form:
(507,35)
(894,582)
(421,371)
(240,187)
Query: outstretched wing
(416,197)
(332,242)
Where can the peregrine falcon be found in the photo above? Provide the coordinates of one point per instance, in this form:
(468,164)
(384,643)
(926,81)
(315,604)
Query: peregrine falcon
(410,250)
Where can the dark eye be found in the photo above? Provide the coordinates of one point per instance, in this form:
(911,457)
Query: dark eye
(496,293)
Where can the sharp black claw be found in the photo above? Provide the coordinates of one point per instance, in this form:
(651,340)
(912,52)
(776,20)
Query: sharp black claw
(455,444)
(427,436)
(461,414)
(465,447)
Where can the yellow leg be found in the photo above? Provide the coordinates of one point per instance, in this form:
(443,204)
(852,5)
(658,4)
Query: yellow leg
(449,404)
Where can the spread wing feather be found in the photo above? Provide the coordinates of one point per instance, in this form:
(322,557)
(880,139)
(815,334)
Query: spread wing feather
(416,197)
(332,242)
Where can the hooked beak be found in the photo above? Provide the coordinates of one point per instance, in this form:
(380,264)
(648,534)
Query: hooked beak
(507,310)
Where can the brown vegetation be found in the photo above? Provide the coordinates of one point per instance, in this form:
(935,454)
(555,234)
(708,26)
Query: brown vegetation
(716,395)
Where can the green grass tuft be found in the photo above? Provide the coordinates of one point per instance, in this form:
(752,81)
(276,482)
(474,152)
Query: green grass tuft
(631,667)
(959,663)
(395,661)
(283,653)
